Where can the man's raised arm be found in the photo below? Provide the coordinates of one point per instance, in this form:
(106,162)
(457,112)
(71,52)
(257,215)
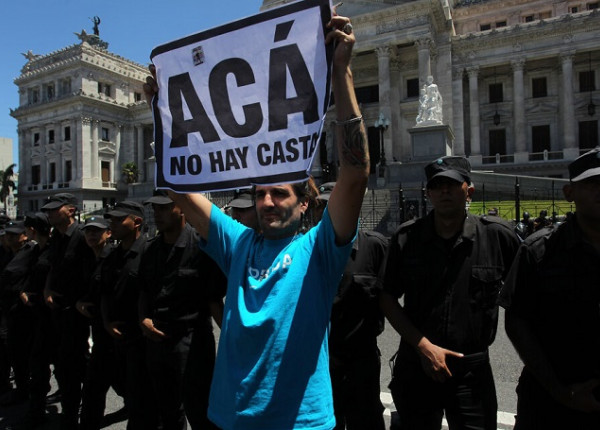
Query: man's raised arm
(347,196)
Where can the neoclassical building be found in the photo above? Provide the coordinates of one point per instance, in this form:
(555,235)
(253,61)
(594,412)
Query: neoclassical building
(517,79)
(81,117)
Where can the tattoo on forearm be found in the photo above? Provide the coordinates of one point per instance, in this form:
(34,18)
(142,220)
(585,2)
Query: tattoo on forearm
(354,148)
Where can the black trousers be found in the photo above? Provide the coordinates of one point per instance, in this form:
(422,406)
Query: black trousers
(536,409)
(19,323)
(103,371)
(43,353)
(71,357)
(181,370)
(356,390)
(142,407)
(468,398)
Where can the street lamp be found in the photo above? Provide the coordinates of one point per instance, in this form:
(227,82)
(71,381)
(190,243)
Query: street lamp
(382,123)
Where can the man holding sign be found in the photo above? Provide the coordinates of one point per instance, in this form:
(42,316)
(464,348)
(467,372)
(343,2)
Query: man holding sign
(272,369)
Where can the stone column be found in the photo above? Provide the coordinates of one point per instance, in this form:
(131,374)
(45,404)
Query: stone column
(94,150)
(383,57)
(75,147)
(140,151)
(83,163)
(520,132)
(395,122)
(570,149)
(457,117)
(118,158)
(473,73)
(424,55)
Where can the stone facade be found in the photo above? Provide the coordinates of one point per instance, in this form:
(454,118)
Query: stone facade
(81,116)
(517,78)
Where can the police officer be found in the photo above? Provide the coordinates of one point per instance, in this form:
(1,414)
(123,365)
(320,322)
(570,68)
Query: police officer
(66,283)
(449,267)
(18,317)
(101,371)
(43,343)
(356,321)
(177,297)
(552,302)
(119,278)
(241,208)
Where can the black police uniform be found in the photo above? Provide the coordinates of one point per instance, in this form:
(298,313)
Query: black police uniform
(554,285)
(44,337)
(356,321)
(71,259)
(102,369)
(19,318)
(450,289)
(5,386)
(119,279)
(177,283)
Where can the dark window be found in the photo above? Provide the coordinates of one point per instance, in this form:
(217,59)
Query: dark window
(587,81)
(35,175)
(574,9)
(137,97)
(501,24)
(104,89)
(105,134)
(50,136)
(497,142)
(50,92)
(105,168)
(67,133)
(412,87)
(52,173)
(68,171)
(528,18)
(588,134)
(484,27)
(368,94)
(36,139)
(539,87)
(496,94)
(591,6)
(540,138)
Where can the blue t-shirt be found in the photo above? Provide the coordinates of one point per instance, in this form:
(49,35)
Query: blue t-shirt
(272,368)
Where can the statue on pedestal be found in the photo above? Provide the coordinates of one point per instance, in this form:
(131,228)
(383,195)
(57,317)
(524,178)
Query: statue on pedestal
(430,105)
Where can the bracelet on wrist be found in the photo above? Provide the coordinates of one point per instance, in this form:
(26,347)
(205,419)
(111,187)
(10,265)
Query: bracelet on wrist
(348,121)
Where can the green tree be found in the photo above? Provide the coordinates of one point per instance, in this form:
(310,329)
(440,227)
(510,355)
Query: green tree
(130,172)
(7,184)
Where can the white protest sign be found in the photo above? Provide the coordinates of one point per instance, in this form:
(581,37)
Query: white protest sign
(243,103)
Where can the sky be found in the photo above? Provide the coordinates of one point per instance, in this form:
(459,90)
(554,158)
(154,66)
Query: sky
(131,28)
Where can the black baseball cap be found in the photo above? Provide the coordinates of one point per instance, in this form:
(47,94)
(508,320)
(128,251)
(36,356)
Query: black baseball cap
(242,199)
(95,221)
(15,227)
(124,208)
(58,200)
(453,167)
(160,197)
(38,221)
(585,166)
(325,190)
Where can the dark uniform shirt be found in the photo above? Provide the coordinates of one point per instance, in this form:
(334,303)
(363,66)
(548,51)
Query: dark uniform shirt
(356,319)
(450,287)
(178,281)
(70,259)
(14,275)
(37,273)
(555,286)
(120,288)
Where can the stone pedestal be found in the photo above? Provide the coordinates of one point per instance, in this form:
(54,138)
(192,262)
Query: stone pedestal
(431,142)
